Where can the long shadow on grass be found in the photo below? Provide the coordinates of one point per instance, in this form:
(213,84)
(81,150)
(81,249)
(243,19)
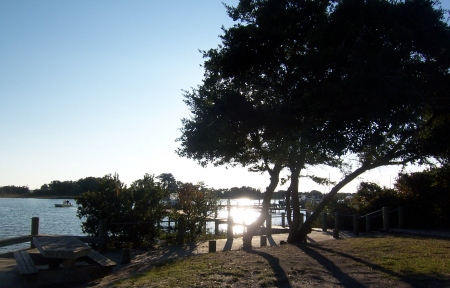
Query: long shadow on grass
(228,245)
(274,262)
(343,278)
(414,281)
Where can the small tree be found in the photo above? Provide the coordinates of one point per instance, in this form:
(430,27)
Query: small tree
(197,202)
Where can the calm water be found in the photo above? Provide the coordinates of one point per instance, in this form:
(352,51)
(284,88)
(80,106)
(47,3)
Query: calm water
(16,214)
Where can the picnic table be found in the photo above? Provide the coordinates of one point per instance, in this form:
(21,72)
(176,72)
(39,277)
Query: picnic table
(80,262)
(65,249)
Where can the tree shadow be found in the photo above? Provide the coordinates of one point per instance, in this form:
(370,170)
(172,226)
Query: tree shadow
(228,245)
(274,262)
(271,241)
(329,265)
(414,281)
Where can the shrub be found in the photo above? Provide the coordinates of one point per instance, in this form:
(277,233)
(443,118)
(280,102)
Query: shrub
(141,204)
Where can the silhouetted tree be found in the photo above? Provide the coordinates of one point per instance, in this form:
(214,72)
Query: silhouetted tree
(305,83)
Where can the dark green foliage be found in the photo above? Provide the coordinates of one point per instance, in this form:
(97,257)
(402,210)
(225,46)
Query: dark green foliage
(427,195)
(424,195)
(242,192)
(14,190)
(168,182)
(142,202)
(89,183)
(59,188)
(68,188)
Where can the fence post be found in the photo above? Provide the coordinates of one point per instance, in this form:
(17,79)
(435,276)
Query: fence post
(368,223)
(324,222)
(230,228)
(103,234)
(283,220)
(355,225)
(126,256)
(262,240)
(34,229)
(269,224)
(212,246)
(336,220)
(401,217)
(385,218)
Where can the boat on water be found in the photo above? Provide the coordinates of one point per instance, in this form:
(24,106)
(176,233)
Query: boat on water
(64,204)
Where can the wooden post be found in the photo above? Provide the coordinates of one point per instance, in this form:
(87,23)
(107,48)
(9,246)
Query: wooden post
(263,240)
(269,224)
(324,222)
(212,246)
(401,217)
(230,228)
(385,218)
(34,229)
(103,234)
(126,256)
(336,220)
(335,233)
(181,228)
(368,223)
(355,225)
(283,220)
(216,227)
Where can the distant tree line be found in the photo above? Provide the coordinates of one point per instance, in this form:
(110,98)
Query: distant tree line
(68,188)
(166,180)
(14,190)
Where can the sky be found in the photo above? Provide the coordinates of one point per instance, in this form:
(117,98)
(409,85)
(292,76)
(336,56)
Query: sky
(89,88)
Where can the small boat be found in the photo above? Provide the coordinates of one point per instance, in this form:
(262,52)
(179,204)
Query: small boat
(64,204)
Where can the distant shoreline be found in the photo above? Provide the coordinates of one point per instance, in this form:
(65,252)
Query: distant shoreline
(36,197)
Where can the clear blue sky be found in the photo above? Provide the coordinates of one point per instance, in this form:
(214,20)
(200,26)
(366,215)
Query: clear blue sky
(89,88)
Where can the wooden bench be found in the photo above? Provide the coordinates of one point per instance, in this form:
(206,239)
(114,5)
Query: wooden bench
(96,258)
(25,263)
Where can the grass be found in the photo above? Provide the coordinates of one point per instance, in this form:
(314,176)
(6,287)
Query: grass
(407,256)
(189,271)
(404,257)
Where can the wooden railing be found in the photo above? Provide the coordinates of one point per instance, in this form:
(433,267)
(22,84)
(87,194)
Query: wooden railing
(384,213)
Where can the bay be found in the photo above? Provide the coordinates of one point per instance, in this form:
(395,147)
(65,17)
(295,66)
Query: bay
(16,214)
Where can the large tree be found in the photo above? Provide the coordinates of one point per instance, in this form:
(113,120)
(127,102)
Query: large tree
(300,83)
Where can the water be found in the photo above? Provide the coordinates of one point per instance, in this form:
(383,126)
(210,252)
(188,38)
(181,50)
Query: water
(243,212)
(16,214)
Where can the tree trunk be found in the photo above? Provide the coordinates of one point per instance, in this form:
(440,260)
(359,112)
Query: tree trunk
(306,227)
(251,229)
(295,225)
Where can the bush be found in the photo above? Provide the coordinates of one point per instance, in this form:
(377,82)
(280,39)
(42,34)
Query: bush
(142,205)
